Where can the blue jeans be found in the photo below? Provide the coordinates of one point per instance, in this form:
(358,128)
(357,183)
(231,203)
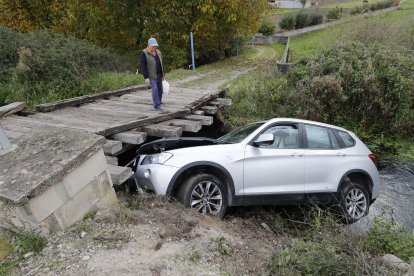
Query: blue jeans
(156,91)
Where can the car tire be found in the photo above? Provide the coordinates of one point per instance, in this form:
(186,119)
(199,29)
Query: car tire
(204,193)
(354,202)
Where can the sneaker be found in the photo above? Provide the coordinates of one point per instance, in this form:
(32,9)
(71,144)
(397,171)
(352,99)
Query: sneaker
(160,110)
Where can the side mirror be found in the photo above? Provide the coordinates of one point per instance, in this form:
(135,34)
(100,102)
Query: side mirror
(266,138)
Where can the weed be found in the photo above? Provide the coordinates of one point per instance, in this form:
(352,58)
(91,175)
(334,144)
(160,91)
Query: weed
(223,247)
(389,237)
(194,255)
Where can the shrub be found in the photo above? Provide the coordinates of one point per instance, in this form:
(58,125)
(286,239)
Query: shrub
(300,20)
(42,66)
(388,237)
(370,85)
(288,22)
(316,19)
(334,14)
(267,28)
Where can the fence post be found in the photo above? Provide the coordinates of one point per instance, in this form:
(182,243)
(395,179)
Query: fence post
(192,50)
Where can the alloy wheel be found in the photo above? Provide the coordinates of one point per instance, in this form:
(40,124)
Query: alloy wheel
(356,203)
(206,197)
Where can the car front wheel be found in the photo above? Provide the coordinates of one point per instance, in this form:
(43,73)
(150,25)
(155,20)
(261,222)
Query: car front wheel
(354,202)
(204,193)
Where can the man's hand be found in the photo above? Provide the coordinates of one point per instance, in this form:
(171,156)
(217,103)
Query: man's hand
(147,81)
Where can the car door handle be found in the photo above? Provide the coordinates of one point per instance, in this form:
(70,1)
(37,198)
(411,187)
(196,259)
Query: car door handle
(295,154)
(341,154)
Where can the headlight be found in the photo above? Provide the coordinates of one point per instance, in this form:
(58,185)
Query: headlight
(160,158)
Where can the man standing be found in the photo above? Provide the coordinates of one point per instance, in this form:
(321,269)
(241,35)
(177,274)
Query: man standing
(151,68)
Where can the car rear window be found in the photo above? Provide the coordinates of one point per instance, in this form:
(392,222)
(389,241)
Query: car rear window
(347,139)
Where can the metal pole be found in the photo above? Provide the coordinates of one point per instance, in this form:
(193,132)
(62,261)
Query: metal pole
(237,46)
(192,50)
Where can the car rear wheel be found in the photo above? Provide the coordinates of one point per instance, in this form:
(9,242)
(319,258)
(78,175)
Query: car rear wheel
(354,202)
(204,193)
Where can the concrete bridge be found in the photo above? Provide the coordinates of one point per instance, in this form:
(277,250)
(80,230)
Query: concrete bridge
(62,163)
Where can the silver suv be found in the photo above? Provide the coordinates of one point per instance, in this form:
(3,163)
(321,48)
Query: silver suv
(279,162)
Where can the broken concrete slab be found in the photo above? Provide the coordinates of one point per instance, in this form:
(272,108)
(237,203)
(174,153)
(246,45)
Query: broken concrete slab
(205,120)
(130,137)
(112,147)
(11,108)
(119,174)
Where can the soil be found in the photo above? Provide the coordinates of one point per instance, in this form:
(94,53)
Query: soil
(152,235)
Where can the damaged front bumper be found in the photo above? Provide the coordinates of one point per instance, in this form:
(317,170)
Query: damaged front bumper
(155,177)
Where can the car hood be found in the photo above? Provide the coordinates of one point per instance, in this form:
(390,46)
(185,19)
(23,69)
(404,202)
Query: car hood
(163,144)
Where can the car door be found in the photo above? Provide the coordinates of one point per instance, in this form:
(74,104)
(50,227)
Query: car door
(323,159)
(277,167)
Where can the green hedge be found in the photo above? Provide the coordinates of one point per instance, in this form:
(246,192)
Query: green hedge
(43,66)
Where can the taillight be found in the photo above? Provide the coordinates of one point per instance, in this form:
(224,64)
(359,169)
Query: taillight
(373,158)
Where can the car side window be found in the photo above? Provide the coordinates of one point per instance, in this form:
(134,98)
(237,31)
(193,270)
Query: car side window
(285,137)
(318,137)
(334,140)
(346,139)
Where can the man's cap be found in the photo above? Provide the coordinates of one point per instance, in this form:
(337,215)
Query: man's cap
(152,41)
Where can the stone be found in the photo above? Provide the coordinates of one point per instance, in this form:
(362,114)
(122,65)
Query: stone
(86,258)
(27,255)
(411,270)
(82,234)
(394,262)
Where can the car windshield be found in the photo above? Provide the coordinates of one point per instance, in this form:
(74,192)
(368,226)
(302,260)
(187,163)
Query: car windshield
(238,134)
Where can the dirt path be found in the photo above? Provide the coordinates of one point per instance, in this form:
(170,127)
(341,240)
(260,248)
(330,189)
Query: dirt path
(154,236)
(215,76)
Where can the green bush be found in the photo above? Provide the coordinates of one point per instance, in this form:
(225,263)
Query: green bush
(316,19)
(43,66)
(267,28)
(334,14)
(387,237)
(365,88)
(300,20)
(288,22)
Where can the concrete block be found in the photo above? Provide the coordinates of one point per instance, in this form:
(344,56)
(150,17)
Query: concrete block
(47,202)
(109,200)
(77,179)
(205,120)
(111,147)
(198,112)
(209,109)
(131,137)
(119,174)
(111,160)
(78,206)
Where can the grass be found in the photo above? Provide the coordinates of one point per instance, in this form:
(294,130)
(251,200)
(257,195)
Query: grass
(5,248)
(311,44)
(347,4)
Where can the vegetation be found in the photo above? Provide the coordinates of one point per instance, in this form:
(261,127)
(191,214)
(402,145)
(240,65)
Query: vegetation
(389,237)
(301,19)
(319,245)
(23,240)
(42,66)
(266,28)
(124,25)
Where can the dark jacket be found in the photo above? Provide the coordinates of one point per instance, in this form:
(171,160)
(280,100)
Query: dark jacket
(151,65)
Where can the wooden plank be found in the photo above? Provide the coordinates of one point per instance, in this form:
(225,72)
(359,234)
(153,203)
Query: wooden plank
(68,122)
(111,160)
(112,147)
(143,122)
(119,174)
(205,120)
(72,124)
(87,98)
(209,109)
(160,130)
(11,108)
(130,137)
(186,125)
